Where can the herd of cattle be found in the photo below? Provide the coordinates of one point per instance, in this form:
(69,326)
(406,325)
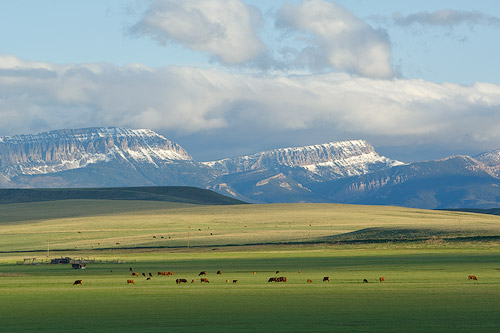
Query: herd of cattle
(205,280)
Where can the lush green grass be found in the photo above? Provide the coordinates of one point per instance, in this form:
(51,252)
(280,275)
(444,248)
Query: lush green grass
(425,290)
(426,286)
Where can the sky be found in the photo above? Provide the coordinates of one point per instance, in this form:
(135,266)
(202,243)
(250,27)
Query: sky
(419,80)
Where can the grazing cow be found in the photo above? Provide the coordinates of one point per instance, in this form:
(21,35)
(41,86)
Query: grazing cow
(192,281)
(80,282)
(135,274)
(472,277)
(381,279)
(282,279)
(254,273)
(144,274)
(299,272)
(204,280)
(273,279)
(178,281)
(326,278)
(309,281)
(277,272)
(202,273)
(227,281)
(148,278)
(151,275)
(130,269)
(154,236)
(219,272)
(365,281)
(130,282)
(117,243)
(234,281)
(169,273)
(161,273)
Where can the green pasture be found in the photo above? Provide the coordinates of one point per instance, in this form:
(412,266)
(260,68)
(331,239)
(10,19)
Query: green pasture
(425,257)
(425,290)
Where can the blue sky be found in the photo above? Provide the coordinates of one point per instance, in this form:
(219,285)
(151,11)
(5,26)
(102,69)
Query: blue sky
(419,80)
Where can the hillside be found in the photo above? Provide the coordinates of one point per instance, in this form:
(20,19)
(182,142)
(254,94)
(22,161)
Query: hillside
(178,194)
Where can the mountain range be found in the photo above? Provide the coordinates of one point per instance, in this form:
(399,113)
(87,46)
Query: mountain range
(341,172)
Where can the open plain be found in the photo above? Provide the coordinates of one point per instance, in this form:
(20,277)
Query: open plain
(424,256)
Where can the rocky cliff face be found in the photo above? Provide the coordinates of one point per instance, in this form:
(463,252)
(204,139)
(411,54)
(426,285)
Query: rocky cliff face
(330,160)
(62,150)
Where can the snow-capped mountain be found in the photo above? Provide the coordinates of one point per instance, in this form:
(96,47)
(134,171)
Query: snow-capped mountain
(342,172)
(53,158)
(62,150)
(325,161)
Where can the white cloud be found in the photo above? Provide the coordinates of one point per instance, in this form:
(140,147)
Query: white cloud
(446,18)
(334,37)
(187,101)
(225,29)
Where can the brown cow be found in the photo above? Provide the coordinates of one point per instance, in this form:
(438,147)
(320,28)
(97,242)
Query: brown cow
(472,277)
(282,279)
(365,281)
(178,281)
(227,281)
(202,273)
(169,273)
(299,272)
(204,280)
(381,279)
(80,282)
(234,281)
(309,281)
(130,282)
(219,272)
(326,278)
(192,281)
(161,273)
(135,274)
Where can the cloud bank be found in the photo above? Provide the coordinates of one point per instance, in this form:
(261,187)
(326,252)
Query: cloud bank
(189,101)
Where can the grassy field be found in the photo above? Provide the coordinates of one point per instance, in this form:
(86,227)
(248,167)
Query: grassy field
(425,266)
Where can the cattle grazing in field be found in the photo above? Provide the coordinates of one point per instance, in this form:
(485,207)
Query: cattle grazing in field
(326,278)
(234,281)
(219,272)
(144,274)
(277,272)
(130,269)
(472,277)
(80,282)
(117,243)
(381,279)
(179,281)
(192,281)
(135,274)
(202,273)
(309,281)
(130,282)
(150,275)
(254,273)
(365,281)
(167,273)
(299,272)
(227,281)
(278,279)
(148,278)
(204,280)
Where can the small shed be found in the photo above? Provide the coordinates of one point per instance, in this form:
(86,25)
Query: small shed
(79,266)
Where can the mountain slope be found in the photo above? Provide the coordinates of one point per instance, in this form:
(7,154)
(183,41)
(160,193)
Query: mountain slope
(179,194)
(458,181)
